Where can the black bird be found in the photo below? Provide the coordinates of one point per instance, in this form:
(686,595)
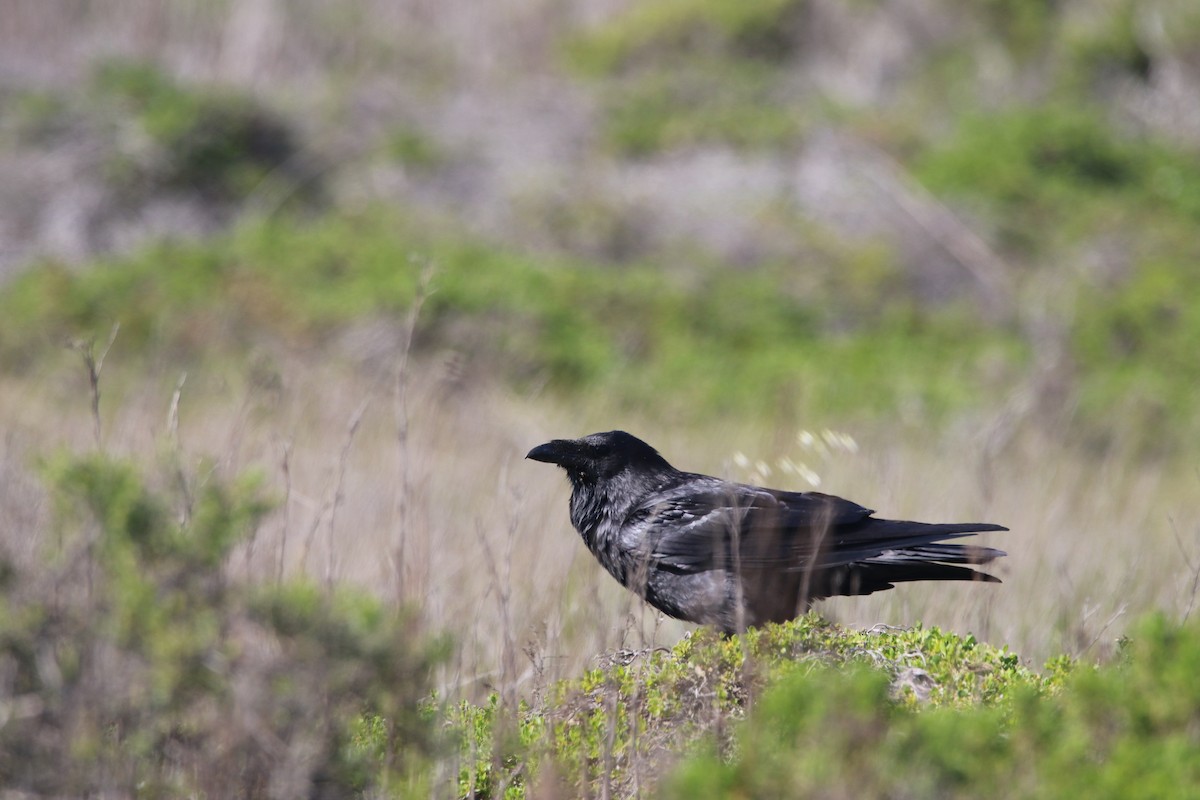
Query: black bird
(732,555)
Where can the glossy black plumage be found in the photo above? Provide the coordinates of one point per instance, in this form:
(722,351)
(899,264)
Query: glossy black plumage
(732,555)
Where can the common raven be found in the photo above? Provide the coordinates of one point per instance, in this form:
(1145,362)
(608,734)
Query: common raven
(732,555)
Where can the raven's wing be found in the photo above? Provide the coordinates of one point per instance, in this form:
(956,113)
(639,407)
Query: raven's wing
(693,527)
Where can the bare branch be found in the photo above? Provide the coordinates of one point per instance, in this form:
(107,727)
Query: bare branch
(401,510)
(95,365)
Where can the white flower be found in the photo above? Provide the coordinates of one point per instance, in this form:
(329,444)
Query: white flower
(813,478)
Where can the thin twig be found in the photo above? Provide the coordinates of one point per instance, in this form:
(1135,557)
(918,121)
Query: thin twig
(503,589)
(173,411)
(177,449)
(95,365)
(612,701)
(1195,570)
(343,459)
(401,508)
(956,238)
(286,466)
(1117,615)
(306,549)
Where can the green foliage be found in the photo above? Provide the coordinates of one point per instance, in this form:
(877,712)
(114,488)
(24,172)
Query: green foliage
(138,668)
(1051,178)
(1052,174)
(1110,46)
(666,29)
(1136,345)
(617,725)
(414,149)
(216,142)
(774,340)
(36,116)
(675,73)
(1119,40)
(833,712)
(1117,731)
(739,105)
(1025,26)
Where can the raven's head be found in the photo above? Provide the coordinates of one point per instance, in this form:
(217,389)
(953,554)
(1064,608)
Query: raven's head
(600,456)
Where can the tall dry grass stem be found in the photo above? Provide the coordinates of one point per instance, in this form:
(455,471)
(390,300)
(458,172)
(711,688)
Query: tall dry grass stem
(403,488)
(95,365)
(285,468)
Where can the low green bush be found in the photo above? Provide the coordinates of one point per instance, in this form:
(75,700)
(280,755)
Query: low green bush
(809,708)
(220,143)
(661,110)
(834,338)
(1025,27)
(775,341)
(1136,346)
(134,666)
(623,725)
(1050,175)
(673,74)
(1128,729)
(1110,46)
(664,30)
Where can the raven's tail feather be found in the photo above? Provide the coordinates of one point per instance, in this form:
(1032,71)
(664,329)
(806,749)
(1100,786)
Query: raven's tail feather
(945,553)
(893,537)
(911,551)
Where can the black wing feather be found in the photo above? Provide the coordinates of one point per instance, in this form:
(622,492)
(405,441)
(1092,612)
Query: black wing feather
(692,529)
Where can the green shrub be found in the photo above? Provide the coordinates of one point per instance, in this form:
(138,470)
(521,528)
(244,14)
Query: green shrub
(665,30)
(136,667)
(1124,730)
(1024,26)
(1135,343)
(1051,175)
(1110,46)
(674,74)
(623,725)
(36,117)
(777,340)
(661,110)
(219,143)
(414,149)
(1056,182)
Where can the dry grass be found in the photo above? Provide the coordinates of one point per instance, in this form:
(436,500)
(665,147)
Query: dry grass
(479,540)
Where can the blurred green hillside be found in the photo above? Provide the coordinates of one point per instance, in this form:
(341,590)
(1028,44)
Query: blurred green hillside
(716,222)
(772,342)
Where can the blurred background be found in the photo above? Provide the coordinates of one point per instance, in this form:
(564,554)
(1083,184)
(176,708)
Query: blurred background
(936,256)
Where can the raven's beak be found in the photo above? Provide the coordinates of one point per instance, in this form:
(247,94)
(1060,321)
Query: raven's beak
(550,452)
